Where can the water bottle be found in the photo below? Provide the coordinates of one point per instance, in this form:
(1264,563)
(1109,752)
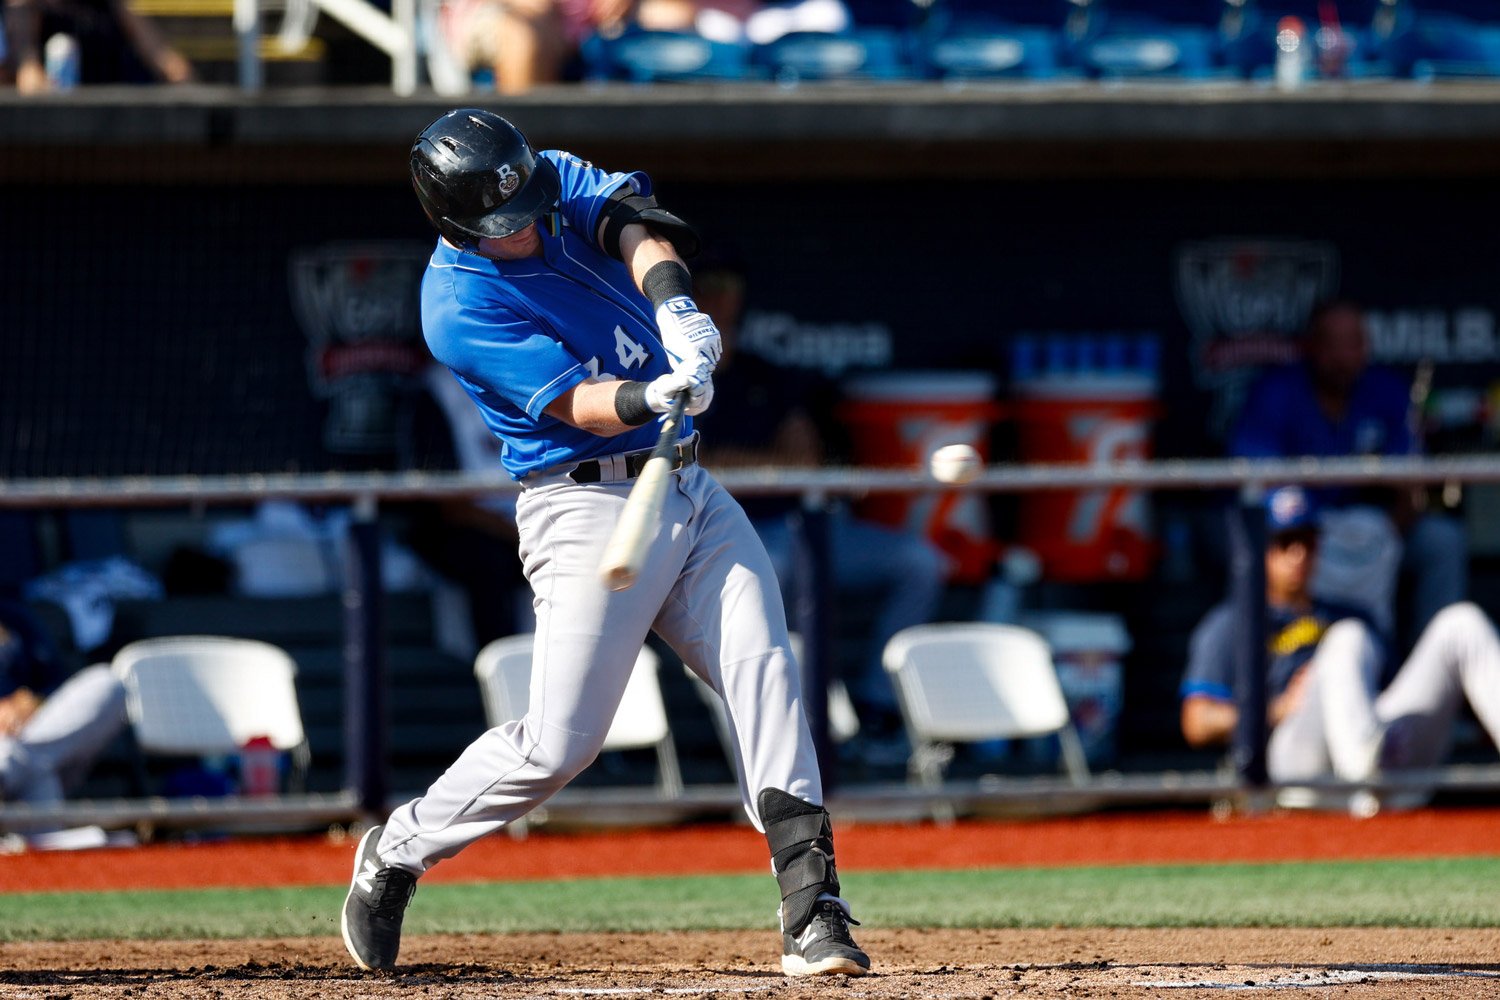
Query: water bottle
(61,58)
(1334,46)
(1291,53)
(260,767)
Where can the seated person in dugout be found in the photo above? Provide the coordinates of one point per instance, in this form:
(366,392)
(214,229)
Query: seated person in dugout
(1330,718)
(1334,402)
(52,725)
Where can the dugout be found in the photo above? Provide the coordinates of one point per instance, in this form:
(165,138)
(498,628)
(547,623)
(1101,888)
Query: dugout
(178,254)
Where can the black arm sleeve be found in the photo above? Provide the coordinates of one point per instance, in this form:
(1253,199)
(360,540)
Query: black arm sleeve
(666,280)
(625,207)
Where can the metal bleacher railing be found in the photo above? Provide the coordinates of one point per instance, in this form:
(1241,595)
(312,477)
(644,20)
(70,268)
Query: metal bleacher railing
(365,789)
(394,34)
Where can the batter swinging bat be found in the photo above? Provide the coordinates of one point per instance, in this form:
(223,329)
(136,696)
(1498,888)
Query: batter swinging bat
(626,549)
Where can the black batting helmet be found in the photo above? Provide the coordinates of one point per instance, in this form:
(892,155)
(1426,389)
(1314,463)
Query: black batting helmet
(477,176)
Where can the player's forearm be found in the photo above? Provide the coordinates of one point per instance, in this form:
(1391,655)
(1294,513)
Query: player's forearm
(643,249)
(1207,722)
(16,709)
(591,407)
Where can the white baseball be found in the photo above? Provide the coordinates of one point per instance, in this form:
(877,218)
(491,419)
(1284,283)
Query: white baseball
(955,463)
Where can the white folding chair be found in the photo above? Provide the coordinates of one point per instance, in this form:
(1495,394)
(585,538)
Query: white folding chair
(503,668)
(199,695)
(843,721)
(965,682)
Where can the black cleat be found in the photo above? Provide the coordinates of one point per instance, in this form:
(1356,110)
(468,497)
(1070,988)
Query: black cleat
(824,947)
(373,909)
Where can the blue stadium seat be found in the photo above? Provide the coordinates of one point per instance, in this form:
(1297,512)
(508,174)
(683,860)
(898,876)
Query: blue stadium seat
(976,39)
(1165,39)
(1434,39)
(1347,45)
(970,53)
(643,56)
(856,54)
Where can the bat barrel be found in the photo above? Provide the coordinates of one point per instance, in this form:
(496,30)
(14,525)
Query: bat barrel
(620,564)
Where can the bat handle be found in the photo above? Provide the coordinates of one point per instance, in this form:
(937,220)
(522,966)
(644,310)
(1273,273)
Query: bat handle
(671,426)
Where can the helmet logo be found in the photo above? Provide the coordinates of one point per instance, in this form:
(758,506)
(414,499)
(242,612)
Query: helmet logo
(509,180)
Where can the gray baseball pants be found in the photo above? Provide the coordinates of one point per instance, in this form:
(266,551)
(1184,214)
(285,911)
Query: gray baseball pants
(1346,727)
(707,588)
(61,739)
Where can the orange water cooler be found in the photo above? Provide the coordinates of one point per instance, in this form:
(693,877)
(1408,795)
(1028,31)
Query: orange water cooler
(897,420)
(1086,400)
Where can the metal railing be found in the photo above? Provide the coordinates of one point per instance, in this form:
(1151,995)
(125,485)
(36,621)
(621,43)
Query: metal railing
(395,34)
(374,487)
(365,790)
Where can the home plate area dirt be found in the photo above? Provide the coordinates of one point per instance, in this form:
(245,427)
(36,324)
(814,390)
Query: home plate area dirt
(1177,964)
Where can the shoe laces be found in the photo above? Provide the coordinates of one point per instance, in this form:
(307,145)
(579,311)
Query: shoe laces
(393,889)
(833,916)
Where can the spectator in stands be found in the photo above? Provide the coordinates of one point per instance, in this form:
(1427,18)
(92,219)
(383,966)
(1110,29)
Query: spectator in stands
(531,42)
(114,44)
(1333,403)
(1328,715)
(774,420)
(52,726)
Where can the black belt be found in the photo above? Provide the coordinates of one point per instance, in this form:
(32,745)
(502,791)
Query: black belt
(592,470)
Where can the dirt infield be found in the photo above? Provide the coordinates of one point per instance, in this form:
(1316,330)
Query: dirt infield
(1178,963)
(1184,964)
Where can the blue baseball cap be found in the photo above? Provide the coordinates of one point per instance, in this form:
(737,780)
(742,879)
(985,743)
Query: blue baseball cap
(1289,509)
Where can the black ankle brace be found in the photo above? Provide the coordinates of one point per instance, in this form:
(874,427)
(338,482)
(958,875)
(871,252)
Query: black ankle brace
(800,836)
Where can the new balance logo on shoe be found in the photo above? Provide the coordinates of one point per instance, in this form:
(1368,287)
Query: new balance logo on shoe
(366,879)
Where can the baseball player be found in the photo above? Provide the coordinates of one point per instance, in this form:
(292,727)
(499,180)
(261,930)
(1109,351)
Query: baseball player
(1329,716)
(558,298)
(52,725)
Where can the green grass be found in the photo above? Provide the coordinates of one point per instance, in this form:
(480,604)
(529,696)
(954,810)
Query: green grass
(1433,893)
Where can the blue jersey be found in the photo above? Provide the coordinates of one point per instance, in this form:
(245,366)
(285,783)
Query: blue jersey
(518,334)
(1292,638)
(1282,418)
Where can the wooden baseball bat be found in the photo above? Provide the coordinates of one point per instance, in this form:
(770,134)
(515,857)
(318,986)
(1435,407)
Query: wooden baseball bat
(626,549)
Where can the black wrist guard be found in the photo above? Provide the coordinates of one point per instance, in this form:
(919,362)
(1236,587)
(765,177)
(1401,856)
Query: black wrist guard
(666,280)
(630,404)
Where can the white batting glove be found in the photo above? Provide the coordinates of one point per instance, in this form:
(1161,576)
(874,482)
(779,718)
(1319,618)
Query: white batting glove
(700,388)
(687,333)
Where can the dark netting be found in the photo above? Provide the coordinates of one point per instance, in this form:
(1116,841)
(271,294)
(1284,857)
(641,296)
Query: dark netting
(153,329)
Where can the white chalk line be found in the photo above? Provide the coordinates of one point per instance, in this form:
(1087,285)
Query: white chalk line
(1328,977)
(615,991)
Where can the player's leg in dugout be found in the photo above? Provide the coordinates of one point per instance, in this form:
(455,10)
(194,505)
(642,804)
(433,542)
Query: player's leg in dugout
(587,641)
(911,574)
(1334,731)
(58,744)
(1436,555)
(726,620)
(1456,657)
